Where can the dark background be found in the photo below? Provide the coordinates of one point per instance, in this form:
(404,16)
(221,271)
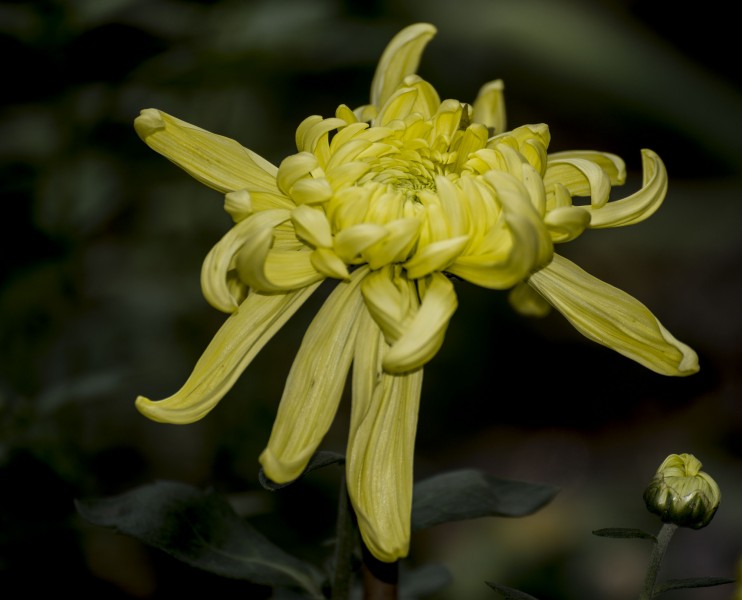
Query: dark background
(103,241)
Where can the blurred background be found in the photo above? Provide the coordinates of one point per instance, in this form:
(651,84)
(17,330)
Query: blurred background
(100,298)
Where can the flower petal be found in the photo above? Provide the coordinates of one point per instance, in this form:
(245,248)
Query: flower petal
(312,393)
(423,336)
(381,444)
(220,259)
(612,318)
(637,207)
(489,106)
(214,160)
(234,346)
(400,58)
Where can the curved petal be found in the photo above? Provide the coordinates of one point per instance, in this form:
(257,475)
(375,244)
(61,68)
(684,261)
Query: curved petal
(315,383)
(400,58)
(214,160)
(581,177)
(236,343)
(220,259)
(637,207)
(381,443)
(566,223)
(489,106)
(423,336)
(612,318)
(274,270)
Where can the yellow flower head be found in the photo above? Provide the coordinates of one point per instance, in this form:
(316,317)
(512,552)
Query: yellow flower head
(390,199)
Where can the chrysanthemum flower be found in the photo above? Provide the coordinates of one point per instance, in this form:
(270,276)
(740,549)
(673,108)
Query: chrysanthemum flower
(390,200)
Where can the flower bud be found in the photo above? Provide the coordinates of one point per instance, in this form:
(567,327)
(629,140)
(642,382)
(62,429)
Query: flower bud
(682,494)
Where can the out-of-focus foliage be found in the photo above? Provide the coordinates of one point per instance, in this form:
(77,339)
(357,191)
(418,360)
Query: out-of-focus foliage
(100,297)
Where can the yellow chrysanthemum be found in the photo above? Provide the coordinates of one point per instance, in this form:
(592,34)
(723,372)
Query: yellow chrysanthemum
(389,199)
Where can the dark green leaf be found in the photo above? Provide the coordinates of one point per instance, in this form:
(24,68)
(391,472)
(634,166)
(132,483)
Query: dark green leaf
(509,593)
(624,532)
(470,494)
(319,460)
(201,529)
(691,582)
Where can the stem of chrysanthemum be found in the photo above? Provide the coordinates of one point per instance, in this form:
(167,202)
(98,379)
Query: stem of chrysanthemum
(658,552)
(379,578)
(344,544)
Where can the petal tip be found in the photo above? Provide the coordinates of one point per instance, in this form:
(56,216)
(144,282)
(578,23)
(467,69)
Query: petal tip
(148,122)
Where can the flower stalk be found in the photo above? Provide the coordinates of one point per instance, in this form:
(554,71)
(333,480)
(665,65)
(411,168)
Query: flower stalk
(658,552)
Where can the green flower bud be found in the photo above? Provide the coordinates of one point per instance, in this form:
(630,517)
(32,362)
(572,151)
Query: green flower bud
(682,494)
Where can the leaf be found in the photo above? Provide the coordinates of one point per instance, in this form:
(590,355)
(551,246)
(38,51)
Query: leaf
(470,494)
(200,529)
(320,459)
(623,533)
(510,593)
(691,582)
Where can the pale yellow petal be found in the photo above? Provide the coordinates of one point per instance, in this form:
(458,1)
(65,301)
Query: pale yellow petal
(238,205)
(379,462)
(214,160)
(612,318)
(389,300)
(236,343)
(315,383)
(423,335)
(329,264)
(435,257)
(489,106)
(400,58)
(637,207)
(312,226)
(293,168)
(566,223)
(581,177)
(221,259)
(527,301)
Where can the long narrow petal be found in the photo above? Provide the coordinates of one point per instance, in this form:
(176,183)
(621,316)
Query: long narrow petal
(637,207)
(381,445)
(400,58)
(236,343)
(315,383)
(612,318)
(214,160)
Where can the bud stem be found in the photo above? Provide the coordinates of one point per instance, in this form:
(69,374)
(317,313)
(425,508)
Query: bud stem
(658,552)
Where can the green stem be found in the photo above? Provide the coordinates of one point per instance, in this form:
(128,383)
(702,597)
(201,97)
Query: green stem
(660,547)
(346,537)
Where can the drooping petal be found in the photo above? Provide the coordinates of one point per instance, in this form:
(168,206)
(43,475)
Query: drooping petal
(400,58)
(612,318)
(231,350)
(379,460)
(315,383)
(214,160)
(637,207)
(423,336)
